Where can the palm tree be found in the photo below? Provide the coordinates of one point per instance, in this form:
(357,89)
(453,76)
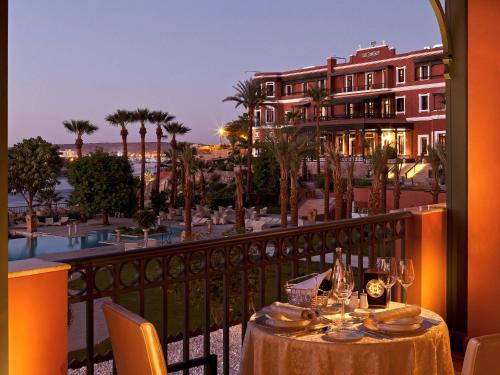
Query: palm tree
(79,127)
(203,167)
(121,118)
(248,94)
(142,115)
(378,164)
(187,158)
(437,160)
(317,95)
(350,186)
(235,131)
(174,129)
(333,156)
(159,118)
(292,117)
(299,149)
(238,204)
(281,149)
(396,170)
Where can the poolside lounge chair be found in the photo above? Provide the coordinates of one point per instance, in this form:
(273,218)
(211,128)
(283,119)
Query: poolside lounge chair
(263,211)
(49,221)
(63,220)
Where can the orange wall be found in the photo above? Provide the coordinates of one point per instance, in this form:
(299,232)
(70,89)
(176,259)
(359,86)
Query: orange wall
(38,331)
(409,198)
(484,167)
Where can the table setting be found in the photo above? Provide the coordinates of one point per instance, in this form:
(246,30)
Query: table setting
(328,328)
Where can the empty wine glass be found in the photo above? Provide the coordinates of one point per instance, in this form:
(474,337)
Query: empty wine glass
(406,275)
(342,287)
(387,274)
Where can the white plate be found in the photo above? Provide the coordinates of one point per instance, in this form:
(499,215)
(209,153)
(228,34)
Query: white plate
(404,321)
(344,335)
(399,327)
(291,325)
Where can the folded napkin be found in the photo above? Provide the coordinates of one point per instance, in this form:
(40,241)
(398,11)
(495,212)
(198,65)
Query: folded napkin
(313,282)
(285,311)
(394,314)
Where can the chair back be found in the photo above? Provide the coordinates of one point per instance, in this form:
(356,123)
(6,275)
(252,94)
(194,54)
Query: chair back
(481,356)
(136,347)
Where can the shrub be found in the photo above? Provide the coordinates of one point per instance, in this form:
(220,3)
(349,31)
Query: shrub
(145,218)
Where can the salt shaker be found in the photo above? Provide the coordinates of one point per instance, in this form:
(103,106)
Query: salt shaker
(354,302)
(363,300)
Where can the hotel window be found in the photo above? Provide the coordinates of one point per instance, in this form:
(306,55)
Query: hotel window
(369,109)
(270,116)
(288,90)
(423,100)
(423,143)
(349,110)
(424,72)
(400,75)
(369,81)
(400,104)
(386,106)
(322,83)
(324,112)
(348,83)
(257,117)
(269,89)
(304,114)
(304,87)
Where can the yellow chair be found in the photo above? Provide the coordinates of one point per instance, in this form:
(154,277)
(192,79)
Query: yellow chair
(481,356)
(137,349)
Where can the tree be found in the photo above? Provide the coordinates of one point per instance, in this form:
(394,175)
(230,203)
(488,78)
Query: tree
(249,95)
(292,117)
(350,186)
(159,118)
(396,170)
(202,167)
(236,131)
(187,157)
(266,175)
(299,148)
(317,95)
(121,118)
(142,116)
(79,128)
(437,160)
(378,165)
(333,156)
(238,204)
(102,183)
(49,197)
(34,165)
(174,129)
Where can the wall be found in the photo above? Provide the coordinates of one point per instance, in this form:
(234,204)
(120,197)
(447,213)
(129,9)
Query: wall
(409,198)
(484,169)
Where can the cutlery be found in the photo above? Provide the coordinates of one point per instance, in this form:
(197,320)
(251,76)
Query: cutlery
(311,332)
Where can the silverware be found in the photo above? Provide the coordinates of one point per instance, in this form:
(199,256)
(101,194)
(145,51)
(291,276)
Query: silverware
(378,335)
(310,332)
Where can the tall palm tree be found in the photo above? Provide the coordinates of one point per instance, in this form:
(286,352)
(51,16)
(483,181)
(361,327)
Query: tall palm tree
(437,160)
(159,118)
(187,157)
(378,164)
(79,128)
(396,170)
(317,95)
(299,150)
(238,204)
(333,157)
(121,118)
(249,95)
(202,167)
(142,116)
(350,186)
(174,129)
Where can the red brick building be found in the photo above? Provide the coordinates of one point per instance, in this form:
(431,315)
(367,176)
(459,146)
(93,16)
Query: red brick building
(375,97)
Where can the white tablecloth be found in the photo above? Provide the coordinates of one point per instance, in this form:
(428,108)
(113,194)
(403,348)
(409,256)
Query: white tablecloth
(267,352)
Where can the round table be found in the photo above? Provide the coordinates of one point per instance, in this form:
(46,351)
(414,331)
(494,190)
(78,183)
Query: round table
(267,352)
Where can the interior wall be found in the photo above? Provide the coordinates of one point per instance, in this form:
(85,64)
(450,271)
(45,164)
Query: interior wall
(484,168)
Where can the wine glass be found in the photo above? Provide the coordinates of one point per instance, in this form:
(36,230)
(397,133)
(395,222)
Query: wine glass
(387,274)
(406,275)
(342,287)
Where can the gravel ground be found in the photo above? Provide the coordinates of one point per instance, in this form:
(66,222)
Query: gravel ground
(196,350)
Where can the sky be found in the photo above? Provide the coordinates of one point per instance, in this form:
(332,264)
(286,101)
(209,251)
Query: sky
(73,59)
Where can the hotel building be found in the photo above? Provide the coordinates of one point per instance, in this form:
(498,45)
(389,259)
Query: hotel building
(375,97)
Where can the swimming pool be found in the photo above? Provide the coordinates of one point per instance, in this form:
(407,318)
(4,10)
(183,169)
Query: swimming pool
(24,248)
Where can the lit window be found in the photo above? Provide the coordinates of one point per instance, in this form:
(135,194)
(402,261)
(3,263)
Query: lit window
(269,89)
(400,104)
(369,81)
(322,83)
(288,90)
(348,83)
(423,144)
(401,75)
(270,116)
(424,103)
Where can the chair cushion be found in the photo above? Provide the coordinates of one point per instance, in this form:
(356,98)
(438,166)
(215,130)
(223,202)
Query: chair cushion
(136,347)
(482,355)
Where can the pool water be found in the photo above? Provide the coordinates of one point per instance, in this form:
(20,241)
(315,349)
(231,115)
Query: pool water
(24,248)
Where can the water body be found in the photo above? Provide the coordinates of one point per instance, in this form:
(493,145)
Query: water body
(65,189)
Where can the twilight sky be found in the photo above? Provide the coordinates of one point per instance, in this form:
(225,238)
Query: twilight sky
(84,59)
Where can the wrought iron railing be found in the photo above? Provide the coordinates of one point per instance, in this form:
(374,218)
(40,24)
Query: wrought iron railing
(194,288)
(373,86)
(344,116)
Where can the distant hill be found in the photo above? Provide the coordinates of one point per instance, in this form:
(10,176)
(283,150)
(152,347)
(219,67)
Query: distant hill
(113,147)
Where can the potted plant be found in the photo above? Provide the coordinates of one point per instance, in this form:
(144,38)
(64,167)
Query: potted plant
(145,219)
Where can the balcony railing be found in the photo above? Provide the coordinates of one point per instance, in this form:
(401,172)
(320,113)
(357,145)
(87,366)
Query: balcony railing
(373,86)
(194,288)
(357,115)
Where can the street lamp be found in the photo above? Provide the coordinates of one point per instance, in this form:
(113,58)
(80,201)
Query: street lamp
(222,133)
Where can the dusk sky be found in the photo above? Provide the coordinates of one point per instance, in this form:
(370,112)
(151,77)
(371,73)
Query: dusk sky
(85,59)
